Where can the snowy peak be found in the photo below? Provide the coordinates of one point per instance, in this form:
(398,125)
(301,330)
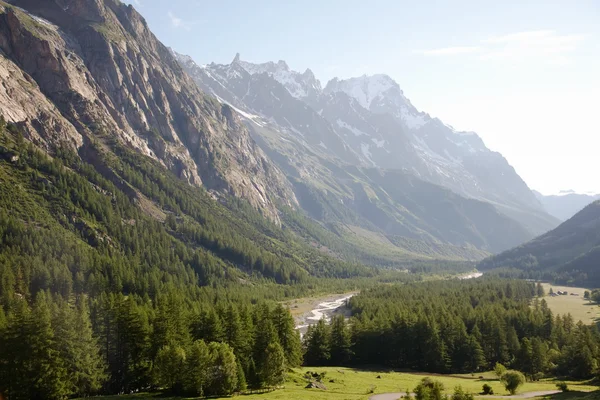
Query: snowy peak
(381,95)
(364,89)
(300,85)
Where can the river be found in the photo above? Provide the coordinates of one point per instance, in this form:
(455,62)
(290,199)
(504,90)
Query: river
(327,308)
(334,304)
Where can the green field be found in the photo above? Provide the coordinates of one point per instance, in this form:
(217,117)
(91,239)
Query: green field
(349,384)
(580,309)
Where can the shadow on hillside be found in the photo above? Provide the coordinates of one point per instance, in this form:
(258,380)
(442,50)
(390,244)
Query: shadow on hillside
(574,395)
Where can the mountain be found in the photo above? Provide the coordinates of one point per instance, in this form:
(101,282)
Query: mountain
(567,254)
(342,146)
(565,204)
(80,69)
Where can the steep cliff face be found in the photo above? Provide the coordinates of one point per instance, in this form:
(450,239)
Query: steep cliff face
(76,69)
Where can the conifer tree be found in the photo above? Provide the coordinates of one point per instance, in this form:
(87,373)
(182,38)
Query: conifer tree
(273,366)
(317,345)
(289,338)
(47,369)
(196,372)
(340,342)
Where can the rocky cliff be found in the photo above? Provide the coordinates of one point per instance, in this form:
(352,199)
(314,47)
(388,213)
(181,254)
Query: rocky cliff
(79,70)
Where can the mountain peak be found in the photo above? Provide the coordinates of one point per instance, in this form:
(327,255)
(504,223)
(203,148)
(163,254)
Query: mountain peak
(236,59)
(299,85)
(365,89)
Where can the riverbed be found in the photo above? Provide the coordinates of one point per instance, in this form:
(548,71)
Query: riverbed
(325,308)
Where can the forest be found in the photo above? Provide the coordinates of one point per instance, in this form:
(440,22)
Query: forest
(457,327)
(114,274)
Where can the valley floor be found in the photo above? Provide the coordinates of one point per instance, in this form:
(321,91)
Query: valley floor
(351,384)
(577,306)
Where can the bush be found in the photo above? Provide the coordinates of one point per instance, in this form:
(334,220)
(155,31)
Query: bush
(429,389)
(487,389)
(512,380)
(562,386)
(460,394)
(499,370)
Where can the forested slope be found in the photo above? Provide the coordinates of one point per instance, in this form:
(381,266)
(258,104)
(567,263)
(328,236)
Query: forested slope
(567,254)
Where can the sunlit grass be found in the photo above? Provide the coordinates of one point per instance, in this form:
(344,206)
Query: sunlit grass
(350,384)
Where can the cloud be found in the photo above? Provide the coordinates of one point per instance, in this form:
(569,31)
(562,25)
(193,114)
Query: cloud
(449,51)
(554,48)
(547,46)
(179,23)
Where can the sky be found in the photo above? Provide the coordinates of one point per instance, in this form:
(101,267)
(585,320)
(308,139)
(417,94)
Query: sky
(524,75)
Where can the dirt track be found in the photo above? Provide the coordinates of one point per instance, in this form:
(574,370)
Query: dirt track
(526,395)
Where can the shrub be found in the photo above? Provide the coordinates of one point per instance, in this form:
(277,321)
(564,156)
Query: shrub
(460,394)
(512,380)
(487,389)
(562,386)
(429,389)
(499,370)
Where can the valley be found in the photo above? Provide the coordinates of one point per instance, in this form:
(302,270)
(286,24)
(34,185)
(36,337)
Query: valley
(171,229)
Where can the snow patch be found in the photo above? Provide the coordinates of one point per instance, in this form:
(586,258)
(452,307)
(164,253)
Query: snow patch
(323,145)
(252,117)
(366,150)
(378,143)
(412,120)
(355,131)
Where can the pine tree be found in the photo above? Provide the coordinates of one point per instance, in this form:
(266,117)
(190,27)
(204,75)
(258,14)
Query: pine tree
(47,366)
(195,375)
(340,343)
(79,348)
(273,367)
(289,338)
(222,370)
(168,366)
(317,345)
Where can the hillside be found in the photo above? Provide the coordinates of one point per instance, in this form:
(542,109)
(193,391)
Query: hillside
(568,254)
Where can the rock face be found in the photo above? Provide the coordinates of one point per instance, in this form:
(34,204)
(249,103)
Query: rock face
(76,69)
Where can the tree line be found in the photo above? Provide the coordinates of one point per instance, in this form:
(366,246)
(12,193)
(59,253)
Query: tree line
(115,344)
(457,327)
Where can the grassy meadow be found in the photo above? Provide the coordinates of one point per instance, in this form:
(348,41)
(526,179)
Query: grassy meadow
(580,309)
(350,384)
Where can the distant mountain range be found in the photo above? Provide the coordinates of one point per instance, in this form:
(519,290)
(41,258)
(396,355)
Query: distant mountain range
(359,154)
(566,203)
(567,254)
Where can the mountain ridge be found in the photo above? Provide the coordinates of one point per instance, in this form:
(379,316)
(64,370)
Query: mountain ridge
(334,149)
(567,254)
(566,203)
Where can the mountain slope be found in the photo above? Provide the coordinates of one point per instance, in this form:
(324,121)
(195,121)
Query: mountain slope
(568,253)
(94,69)
(457,160)
(327,143)
(565,204)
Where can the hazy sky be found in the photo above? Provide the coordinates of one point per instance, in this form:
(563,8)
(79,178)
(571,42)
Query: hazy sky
(525,75)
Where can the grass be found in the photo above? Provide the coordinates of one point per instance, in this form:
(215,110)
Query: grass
(350,384)
(580,309)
